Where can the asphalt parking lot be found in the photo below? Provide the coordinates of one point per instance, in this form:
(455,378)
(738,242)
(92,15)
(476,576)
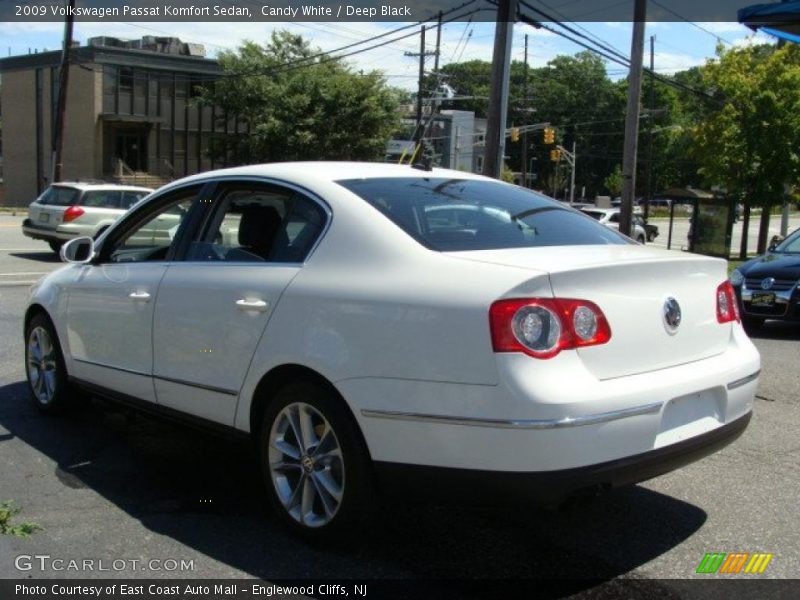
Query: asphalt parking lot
(106,484)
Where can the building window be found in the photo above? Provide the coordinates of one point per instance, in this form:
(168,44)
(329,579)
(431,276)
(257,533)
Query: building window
(126,79)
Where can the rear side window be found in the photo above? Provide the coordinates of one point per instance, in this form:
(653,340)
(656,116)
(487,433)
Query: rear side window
(58,196)
(466,214)
(101,199)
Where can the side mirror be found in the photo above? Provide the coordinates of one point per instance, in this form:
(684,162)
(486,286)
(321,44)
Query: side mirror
(78,251)
(773,243)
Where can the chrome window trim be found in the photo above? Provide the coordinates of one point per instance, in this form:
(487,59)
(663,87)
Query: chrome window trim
(279,182)
(563,422)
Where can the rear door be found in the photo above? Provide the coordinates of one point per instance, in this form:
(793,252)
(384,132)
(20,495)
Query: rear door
(214,305)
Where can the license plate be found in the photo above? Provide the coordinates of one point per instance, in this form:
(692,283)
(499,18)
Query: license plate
(763,299)
(44,217)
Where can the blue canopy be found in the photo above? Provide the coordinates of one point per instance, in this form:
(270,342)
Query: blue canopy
(781,19)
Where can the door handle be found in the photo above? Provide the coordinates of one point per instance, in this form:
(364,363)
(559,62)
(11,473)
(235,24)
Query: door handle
(257,305)
(140,296)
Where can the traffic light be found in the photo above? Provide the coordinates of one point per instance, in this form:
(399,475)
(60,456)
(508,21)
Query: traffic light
(515,134)
(555,155)
(549,135)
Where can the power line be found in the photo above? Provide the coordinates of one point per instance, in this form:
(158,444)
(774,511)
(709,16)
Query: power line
(625,62)
(328,56)
(700,27)
(564,18)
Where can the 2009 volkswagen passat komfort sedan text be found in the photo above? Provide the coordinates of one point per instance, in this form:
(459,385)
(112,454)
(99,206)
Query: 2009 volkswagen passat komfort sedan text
(369,323)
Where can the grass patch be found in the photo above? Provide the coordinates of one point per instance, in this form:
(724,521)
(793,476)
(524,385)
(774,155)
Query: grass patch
(7,512)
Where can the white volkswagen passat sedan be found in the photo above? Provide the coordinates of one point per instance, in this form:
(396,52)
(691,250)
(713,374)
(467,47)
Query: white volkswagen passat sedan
(370,325)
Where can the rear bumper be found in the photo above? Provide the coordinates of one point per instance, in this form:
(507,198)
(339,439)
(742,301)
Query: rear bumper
(478,487)
(36,232)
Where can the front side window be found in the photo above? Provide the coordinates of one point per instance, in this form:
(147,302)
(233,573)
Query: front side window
(259,224)
(152,237)
(791,245)
(468,214)
(131,198)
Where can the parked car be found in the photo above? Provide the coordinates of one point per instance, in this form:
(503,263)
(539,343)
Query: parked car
(380,327)
(610,218)
(72,209)
(651,231)
(767,287)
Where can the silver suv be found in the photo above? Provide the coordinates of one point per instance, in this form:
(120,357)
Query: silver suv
(72,209)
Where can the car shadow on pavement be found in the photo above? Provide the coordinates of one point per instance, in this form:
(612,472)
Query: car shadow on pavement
(203,491)
(776,330)
(44,256)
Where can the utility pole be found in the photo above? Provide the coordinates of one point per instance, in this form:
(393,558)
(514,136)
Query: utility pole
(498,94)
(649,197)
(524,149)
(418,130)
(572,161)
(572,176)
(63,80)
(632,117)
(438,46)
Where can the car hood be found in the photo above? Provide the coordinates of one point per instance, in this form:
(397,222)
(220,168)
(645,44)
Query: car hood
(780,266)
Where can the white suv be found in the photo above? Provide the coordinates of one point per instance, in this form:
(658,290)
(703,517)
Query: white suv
(72,209)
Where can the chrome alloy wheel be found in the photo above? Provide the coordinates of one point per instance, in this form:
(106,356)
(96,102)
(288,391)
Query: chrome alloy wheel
(42,364)
(306,465)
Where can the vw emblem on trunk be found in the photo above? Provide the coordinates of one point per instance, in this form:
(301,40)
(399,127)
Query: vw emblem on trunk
(767,283)
(672,314)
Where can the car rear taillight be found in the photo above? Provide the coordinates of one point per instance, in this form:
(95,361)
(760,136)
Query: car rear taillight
(727,309)
(543,327)
(72,213)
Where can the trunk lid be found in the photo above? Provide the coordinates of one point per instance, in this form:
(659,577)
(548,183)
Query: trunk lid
(45,216)
(631,285)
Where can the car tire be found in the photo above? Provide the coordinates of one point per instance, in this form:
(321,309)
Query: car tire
(55,246)
(315,464)
(44,367)
(752,323)
(640,239)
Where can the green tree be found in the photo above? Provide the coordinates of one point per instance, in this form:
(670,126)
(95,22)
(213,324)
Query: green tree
(613,182)
(750,144)
(313,109)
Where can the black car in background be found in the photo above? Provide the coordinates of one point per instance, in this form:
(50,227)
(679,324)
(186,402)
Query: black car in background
(651,231)
(767,286)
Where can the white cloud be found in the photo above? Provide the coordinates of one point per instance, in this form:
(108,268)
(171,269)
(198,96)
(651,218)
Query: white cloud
(673,61)
(754,40)
(722,27)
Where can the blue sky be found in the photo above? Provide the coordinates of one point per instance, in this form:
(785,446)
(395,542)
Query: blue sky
(679,45)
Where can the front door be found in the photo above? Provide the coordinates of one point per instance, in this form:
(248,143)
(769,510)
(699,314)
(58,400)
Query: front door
(213,307)
(130,146)
(110,306)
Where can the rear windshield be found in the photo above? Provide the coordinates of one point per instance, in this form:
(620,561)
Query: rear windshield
(58,196)
(467,214)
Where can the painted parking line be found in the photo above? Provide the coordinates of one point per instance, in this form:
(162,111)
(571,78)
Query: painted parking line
(23,273)
(4,284)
